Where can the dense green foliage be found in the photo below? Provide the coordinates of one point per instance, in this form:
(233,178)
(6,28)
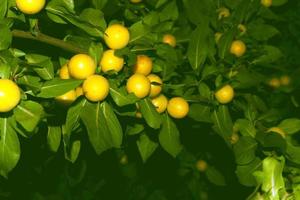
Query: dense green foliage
(101,150)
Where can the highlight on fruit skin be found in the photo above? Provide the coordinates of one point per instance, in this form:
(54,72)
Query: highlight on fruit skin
(156,85)
(139,85)
(64,72)
(225,94)
(30,7)
(95,88)
(67,99)
(81,66)
(223,12)
(169,39)
(274,83)
(277,130)
(178,107)
(201,165)
(10,95)
(116,36)
(143,65)
(111,62)
(238,48)
(266,3)
(160,103)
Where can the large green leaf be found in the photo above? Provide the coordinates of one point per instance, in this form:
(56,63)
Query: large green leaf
(169,137)
(215,176)
(3,8)
(146,147)
(9,147)
(42,65)
(28,114)
(200,113)
(120,96)
(54,137)
(244,150)
(152,117)
(245,172)
(5,37)
(56,87)
(103,127)
(290,126)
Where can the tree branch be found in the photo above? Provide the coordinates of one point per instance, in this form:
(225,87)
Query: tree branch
(49,40)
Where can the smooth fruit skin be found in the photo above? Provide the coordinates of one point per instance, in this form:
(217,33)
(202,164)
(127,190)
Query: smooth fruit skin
(238,48)
(285,80)
(178,107)
(64,72)
(155,89)
(277,130)
(143,65)
(10,95)
(169,39)
(274,83)
(79,91)
(223,12)
(116,36)
(160,103)
(30,6)
(139,85)
(110,62)
(95,88)
(266,3)
(225,94)
(67,98)
(201,165)
(81,66)
(135,1)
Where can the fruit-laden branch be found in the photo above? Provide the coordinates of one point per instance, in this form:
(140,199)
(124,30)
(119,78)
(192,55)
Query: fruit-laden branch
(49,40)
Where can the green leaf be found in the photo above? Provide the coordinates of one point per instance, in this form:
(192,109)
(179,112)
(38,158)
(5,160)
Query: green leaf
(246,128)
(215,176)
(73,117)
(94,17)
(42,65)
(292,153)
(244,150)
(225,42)
(5,37)
(146,147)
(137,31)
(56,87)
(201,45)
(290,126)
(169,12)
(279,2)
(9,147)
(3,9)
(5,71)
(197,11)
(135,129)
(102,125)
(54,137)
(152,117)
(200,113)
(262,32)
(120,96)
(269,54)
(169,136)
(223,123)
(28,114)
(74,151)
(96,50)
(245,172)
(204,90)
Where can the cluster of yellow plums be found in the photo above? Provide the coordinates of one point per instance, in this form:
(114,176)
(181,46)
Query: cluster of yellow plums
(276,82)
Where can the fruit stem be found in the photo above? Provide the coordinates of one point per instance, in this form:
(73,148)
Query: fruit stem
(49,40)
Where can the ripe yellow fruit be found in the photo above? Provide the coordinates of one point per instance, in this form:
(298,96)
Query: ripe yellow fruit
(138,114)
(285,80)
(95,88)
(274,83)
(178,107)
(238,48)
(30,6)
(10,95)
(116,36)
(218,36)
(169,39)
(201,165)
(67,98)
(156,85)
(234,138)
(64,72)
(225,94)
(81,66)
(110,62)
(223,12)
(242,28)
(277,130)
(266,3)
(79,91)
(139,85)
(160,103)
(143,65)
(135,1)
